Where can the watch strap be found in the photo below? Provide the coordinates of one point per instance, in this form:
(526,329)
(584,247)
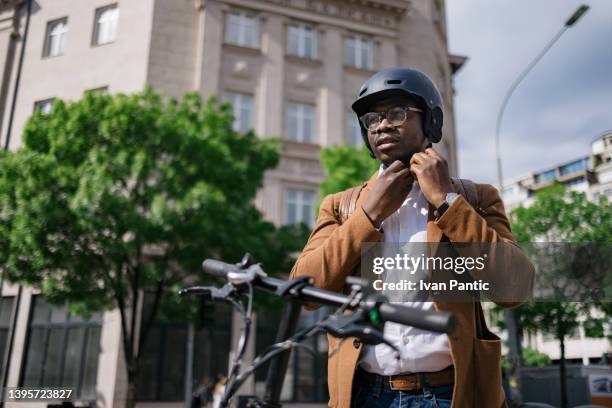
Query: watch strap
(439,212)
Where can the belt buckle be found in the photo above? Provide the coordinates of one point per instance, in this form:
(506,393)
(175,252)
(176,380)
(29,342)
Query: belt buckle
(391,385)
(405,388)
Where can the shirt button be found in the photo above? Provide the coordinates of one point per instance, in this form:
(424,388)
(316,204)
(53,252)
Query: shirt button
(406,339)
(356,343)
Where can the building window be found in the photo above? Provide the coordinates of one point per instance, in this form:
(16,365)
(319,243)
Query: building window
(359,52)
(546,176)
(353,131)
(44,106)
(162,363)
(300,122)
(105,24)
(62,349)
(242,29)
(242,108)
(299,207)
(302,41)
(55,37)
(574,167)
(306,373)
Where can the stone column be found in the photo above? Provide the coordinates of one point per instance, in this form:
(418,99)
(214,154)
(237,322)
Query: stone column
(210,43)
(330,109)
(270,98)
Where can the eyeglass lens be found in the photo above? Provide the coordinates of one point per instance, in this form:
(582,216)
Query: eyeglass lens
(396,116)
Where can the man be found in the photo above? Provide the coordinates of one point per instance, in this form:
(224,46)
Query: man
(411,198)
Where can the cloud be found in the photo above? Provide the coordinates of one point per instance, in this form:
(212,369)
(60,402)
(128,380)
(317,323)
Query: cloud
(562,105)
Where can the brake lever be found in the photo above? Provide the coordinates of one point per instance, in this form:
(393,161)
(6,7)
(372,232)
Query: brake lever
(228,290)
(344,326)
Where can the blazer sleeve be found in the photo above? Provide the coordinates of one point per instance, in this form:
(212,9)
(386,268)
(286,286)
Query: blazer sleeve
(333,250)
(509,272)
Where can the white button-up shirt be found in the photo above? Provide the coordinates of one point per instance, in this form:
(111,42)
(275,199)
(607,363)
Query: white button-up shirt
(421,350)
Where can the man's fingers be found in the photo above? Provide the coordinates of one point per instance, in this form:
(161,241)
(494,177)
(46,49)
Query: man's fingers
(404,172)
(419,158)
(433,153)
(395,167)
(430,151)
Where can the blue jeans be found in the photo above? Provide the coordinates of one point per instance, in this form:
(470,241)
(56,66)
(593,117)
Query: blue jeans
(374,395)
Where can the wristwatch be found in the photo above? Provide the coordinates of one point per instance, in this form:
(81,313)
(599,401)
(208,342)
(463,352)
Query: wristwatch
(448,201)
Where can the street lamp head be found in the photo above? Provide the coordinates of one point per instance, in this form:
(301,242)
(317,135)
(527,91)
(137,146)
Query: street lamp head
(577,15)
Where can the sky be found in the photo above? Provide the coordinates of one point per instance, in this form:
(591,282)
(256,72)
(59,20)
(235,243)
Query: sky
(562,105)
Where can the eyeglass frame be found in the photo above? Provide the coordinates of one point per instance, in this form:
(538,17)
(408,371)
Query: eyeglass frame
(383,115)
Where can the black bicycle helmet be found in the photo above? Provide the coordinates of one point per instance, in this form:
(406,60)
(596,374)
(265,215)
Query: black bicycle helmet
(403,81)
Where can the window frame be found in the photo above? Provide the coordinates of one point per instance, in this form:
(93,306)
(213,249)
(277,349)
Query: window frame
(301,115)
(300,52)
(48,326)
(242,35)
(41,102)
(96,26)
(574,167)
(300,202)
(51,24)
(357,39)
(237,108)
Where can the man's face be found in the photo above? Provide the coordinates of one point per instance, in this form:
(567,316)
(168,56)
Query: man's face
(390,143)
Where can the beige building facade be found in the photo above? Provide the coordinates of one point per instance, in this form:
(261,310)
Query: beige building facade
(291,69)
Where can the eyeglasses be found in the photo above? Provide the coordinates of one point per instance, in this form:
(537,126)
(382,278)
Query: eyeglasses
(396,116)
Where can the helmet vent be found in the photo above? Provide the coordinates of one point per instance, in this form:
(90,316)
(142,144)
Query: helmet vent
(393,81)
(364,90)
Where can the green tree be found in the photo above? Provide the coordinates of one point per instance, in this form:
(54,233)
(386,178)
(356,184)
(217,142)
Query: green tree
(561,216)
(111,196)
(531,358)
(345,167)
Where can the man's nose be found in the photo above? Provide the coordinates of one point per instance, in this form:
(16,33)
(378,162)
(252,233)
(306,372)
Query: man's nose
(384,125)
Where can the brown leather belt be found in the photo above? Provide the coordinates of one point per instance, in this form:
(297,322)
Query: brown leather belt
(414,381)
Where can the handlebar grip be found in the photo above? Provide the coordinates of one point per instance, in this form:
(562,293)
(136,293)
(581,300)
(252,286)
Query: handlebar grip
(433,320)
(217,268)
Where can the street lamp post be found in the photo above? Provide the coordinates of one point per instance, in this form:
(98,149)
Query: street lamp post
(511,323)
(570,22)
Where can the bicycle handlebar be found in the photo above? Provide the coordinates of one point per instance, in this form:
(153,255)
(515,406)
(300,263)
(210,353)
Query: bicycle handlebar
(442,322)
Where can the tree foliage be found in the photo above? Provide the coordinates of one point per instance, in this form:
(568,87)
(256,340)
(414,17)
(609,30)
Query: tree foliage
(531,358)
(345,167)
(111,195)
(561,216)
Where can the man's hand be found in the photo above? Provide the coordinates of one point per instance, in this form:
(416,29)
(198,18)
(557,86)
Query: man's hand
(389,192)
(431,171)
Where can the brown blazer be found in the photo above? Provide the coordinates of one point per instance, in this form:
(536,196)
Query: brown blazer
(333,252)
